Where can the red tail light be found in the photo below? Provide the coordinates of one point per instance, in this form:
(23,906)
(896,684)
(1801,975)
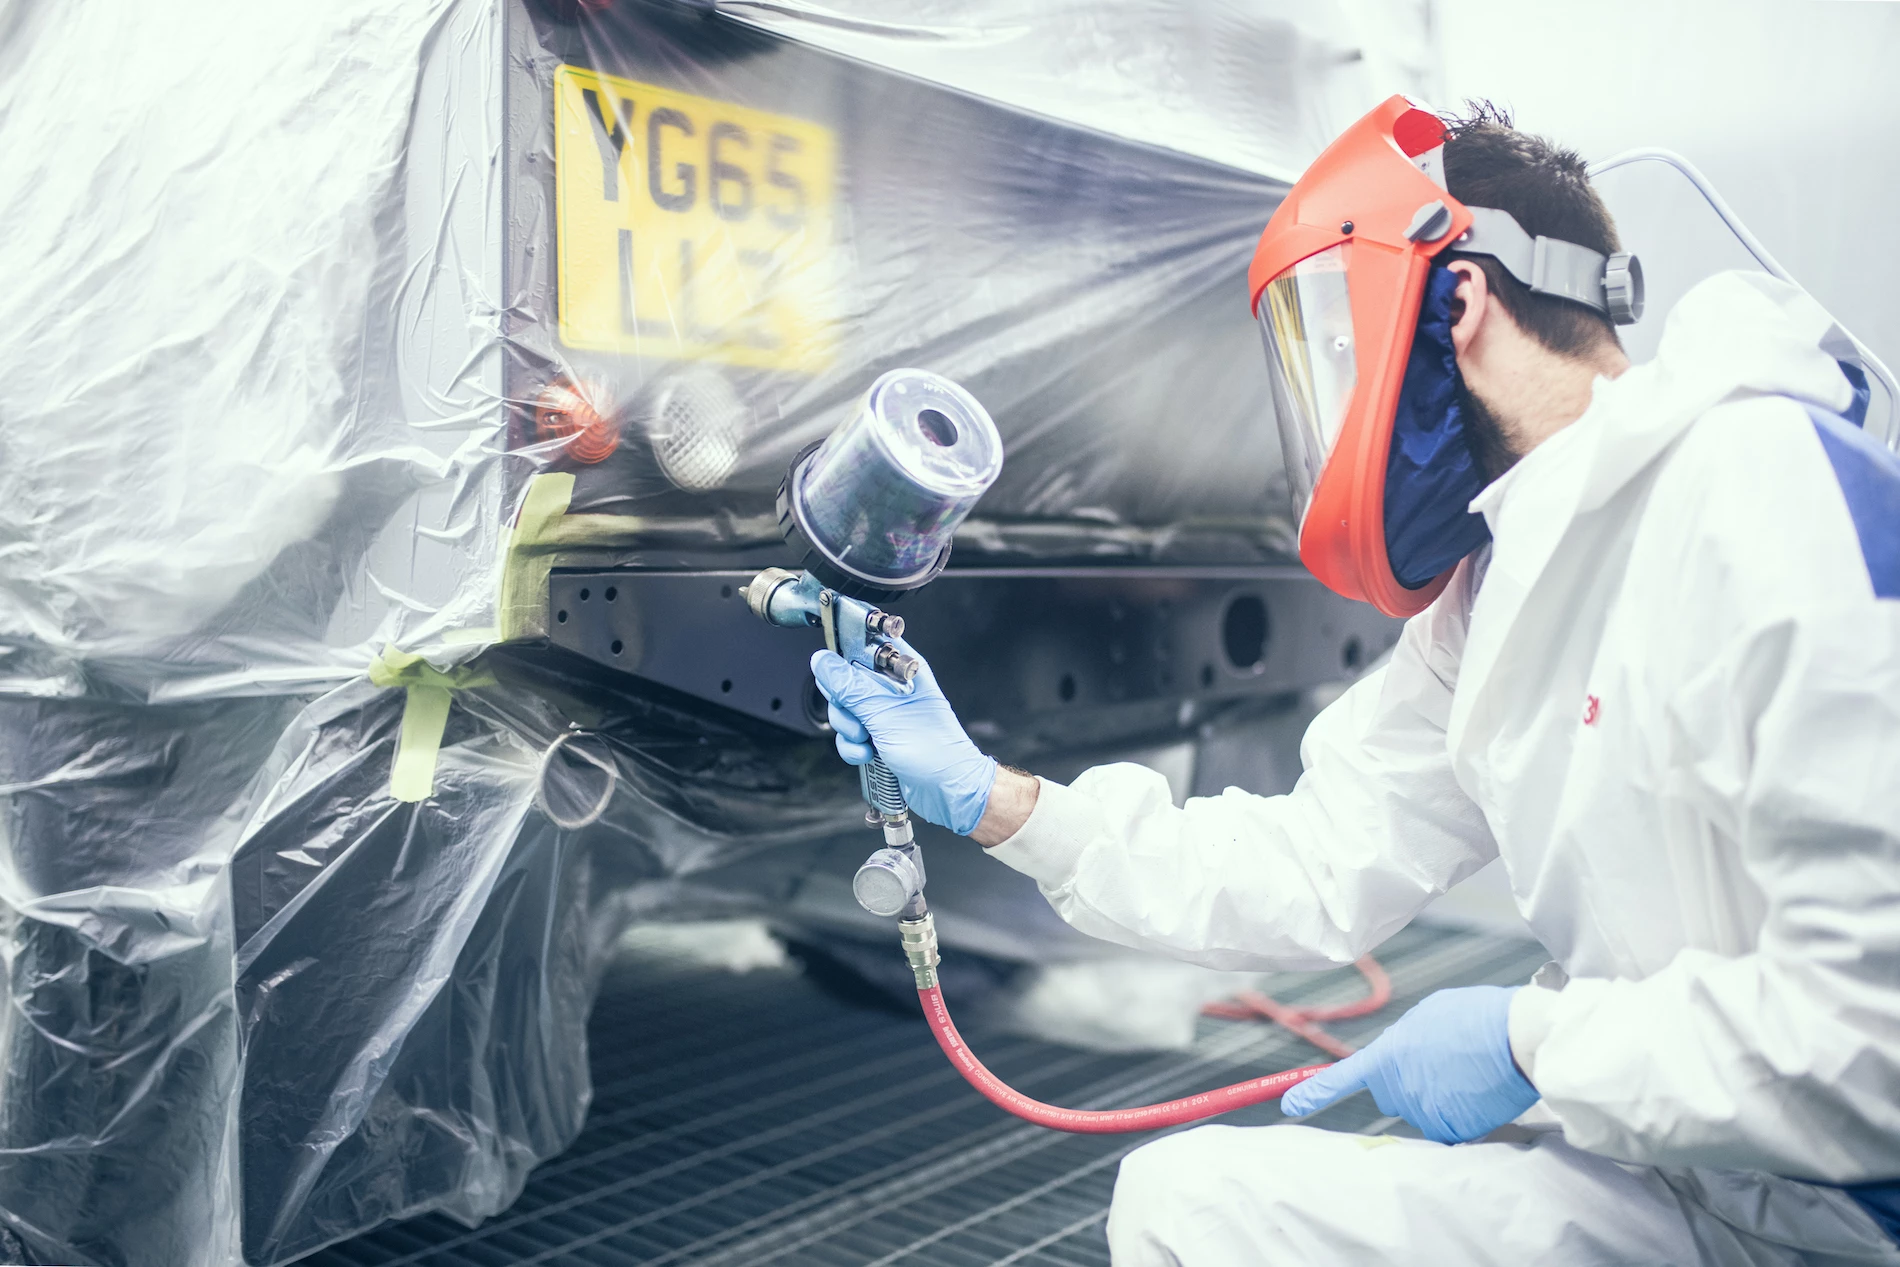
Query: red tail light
(576,413)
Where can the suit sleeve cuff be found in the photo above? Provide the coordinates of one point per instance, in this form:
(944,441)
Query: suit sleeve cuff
(1049,846)
(1534,1011)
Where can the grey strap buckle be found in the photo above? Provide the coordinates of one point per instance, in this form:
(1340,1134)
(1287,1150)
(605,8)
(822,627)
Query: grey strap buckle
(1549,266)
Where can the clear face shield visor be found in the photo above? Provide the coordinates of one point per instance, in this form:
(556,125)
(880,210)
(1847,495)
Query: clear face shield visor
(1305,317)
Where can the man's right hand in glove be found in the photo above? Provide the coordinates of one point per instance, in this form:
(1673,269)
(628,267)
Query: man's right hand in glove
(946,779)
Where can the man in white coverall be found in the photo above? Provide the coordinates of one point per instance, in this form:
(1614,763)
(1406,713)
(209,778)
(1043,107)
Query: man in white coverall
(1654,667)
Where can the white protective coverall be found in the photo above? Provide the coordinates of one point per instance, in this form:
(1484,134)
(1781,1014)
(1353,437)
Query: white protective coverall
(1670,701)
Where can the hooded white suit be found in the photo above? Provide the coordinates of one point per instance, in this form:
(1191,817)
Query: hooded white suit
(1669,699)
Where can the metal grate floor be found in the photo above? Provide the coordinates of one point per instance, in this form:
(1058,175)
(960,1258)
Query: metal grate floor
(752,1119)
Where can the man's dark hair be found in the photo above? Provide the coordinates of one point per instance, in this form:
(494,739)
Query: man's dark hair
(1545,188)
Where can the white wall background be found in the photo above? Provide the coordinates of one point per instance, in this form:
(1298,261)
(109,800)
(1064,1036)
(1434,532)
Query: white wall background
(1790,107)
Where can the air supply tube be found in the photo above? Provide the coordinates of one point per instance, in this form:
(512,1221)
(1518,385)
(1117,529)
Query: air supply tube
(920,947)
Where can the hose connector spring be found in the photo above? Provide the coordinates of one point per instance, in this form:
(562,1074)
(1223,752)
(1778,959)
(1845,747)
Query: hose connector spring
(882,791)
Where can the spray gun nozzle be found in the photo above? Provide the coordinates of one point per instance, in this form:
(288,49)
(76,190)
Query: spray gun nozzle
(758,593)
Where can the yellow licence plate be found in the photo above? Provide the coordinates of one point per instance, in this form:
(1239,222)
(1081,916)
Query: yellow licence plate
(688,228)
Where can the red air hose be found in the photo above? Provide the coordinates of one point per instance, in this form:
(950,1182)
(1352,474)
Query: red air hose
(1104,1121)
(1249,1004)
(919,936)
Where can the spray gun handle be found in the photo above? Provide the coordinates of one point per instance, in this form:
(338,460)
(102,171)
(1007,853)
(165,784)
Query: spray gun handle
(891,881)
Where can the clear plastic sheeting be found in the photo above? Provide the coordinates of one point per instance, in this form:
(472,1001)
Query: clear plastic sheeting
(412,979)
(283,299)
(332,328)
(1262,86)
(197,389)
(792,198)
(258,1004)
(121,1030)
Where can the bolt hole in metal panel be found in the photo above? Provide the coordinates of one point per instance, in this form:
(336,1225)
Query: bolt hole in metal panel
(769,1122)
(1244,633)
(1005,645)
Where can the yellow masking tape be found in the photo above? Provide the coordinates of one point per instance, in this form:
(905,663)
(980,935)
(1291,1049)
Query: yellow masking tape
(524,566)
(425,714)
(544,532)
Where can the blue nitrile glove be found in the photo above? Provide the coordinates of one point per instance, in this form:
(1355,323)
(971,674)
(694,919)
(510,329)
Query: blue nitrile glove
(945,779)
(1445,1067)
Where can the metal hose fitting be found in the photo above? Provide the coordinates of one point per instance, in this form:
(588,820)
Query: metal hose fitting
(919,937)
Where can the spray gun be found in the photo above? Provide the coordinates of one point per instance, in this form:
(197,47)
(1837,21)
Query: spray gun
(891,881)
(871,510)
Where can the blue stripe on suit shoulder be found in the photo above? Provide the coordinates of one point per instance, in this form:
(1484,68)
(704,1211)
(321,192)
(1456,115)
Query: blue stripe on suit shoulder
(1869,476)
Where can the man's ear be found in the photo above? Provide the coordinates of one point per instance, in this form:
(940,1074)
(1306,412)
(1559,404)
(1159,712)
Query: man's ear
(1471,303)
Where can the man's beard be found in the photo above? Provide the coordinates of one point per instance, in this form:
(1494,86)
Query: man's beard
(1489,443)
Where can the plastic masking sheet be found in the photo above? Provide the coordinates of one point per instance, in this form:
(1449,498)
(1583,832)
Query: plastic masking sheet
(331,328)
